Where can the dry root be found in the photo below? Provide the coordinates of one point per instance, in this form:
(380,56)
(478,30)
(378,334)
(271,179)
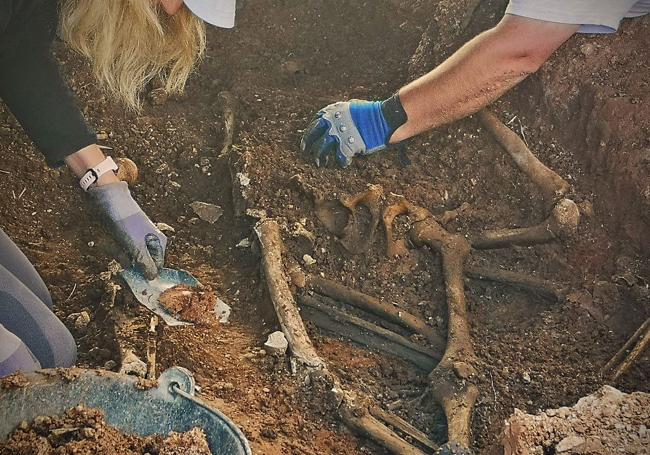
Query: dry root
(228,108)
(621,362)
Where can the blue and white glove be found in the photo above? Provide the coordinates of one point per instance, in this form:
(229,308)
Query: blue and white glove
(141,239)
(344,130)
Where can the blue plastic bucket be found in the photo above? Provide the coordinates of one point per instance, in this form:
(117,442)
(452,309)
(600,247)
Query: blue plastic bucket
(171,406)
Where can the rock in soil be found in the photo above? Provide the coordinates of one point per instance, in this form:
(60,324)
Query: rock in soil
(606,422)
(83,430)
(207,212)
(276,344)
(190,304)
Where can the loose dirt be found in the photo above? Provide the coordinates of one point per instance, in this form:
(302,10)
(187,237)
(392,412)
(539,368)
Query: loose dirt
(283,62)
(83,431)
(190,304)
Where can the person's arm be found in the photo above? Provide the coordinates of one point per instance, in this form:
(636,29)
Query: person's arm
(33,89)
(479,72)
(473,77)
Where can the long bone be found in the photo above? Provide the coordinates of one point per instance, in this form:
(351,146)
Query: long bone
(353,410)
(560,224)
(450,381)
(552,186)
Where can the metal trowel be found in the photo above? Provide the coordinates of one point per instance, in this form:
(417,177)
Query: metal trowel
(147,292)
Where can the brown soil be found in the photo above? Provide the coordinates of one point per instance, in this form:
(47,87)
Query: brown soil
(190,304)
(282,62)
(83,431)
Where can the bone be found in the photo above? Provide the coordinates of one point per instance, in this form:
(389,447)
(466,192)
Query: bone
(552,186)
(561,224)
(353,239)
(397,248)
(339,216)
(537,286)
(450,381)
(375,306)
(271,245)
(403,426)
(621,362)
(365,333)
(228,107)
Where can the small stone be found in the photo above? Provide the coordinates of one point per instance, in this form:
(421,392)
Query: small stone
(568,443)
(587,49)
(81,321)
(207,212)
(266,390)
(164,227)
(132,365)
(244,243)
(244,180)
(308,260)
(158,96)
(276,344)
(222,310)
(526,377)
(110,365)
(268,433)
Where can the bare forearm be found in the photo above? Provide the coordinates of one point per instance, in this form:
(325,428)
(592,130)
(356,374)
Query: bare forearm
(86,158)
(479,73)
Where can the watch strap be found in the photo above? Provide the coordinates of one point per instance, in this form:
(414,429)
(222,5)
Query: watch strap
(94,173)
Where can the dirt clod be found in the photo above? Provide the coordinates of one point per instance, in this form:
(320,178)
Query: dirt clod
(84,431)
(190,304)
(606,422)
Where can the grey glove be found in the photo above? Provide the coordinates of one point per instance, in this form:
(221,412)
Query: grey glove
(144,243)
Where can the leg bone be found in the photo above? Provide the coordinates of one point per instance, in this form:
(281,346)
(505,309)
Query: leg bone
(561,223)
(553,186)
(449,381)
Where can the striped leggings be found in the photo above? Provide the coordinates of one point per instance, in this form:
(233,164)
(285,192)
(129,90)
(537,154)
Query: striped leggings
(31,336)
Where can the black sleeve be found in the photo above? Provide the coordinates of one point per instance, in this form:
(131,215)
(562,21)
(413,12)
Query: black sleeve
(34,90)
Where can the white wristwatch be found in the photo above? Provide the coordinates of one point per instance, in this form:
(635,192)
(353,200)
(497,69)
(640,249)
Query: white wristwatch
(93,174)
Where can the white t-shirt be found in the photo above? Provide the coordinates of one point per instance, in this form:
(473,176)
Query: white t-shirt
(594,16)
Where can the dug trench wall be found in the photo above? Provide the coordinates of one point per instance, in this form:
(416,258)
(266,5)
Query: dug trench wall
(593,97)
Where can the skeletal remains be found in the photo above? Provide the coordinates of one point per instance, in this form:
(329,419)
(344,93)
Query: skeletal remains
(452,363)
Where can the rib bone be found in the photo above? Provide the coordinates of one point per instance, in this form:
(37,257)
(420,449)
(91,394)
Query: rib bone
(375,306)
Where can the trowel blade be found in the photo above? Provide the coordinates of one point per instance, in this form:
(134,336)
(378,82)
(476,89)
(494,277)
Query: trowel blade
(148,292)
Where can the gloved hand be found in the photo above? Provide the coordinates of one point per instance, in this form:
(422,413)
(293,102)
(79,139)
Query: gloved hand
(344,130)
(144,243)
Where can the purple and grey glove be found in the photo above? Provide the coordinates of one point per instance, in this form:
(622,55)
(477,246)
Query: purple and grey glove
(131,227)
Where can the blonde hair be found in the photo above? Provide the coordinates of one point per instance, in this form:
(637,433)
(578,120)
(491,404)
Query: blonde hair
(130,42)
